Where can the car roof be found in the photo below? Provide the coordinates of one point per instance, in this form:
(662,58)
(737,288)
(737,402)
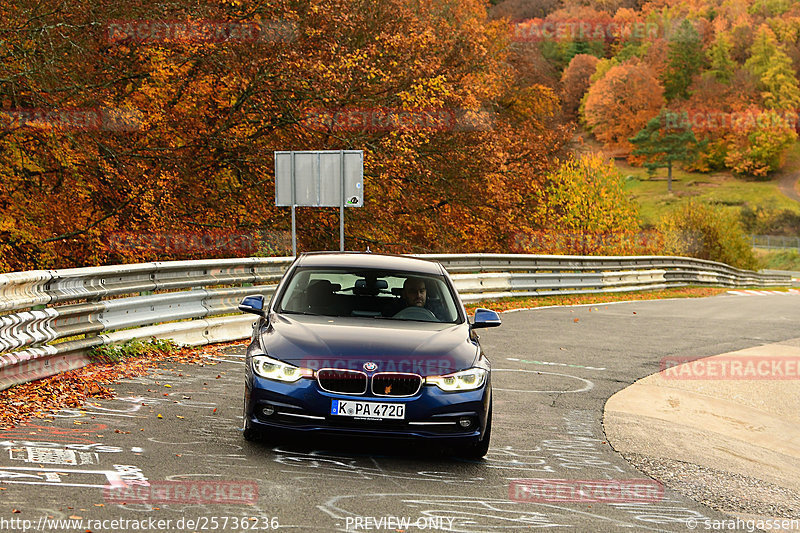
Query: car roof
(369,260)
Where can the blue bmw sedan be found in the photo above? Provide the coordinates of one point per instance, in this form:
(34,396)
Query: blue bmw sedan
(367,344)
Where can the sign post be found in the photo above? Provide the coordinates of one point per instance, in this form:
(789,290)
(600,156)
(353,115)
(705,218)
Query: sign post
(319,178)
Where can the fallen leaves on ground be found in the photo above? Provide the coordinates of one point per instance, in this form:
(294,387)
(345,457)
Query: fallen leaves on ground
(71,390)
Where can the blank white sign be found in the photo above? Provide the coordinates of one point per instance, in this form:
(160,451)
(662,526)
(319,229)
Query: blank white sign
(314,178)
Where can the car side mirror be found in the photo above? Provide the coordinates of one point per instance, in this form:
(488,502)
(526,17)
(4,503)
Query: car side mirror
(485,318)
(253,304)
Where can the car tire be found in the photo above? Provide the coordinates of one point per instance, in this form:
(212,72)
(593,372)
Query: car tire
(250,433)
(477,450)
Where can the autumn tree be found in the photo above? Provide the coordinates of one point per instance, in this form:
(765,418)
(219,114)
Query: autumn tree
(684,60)
(721,65)
(763,49)
(781,89)
(577,30)
(523,9)
(206,116)
(707,232)
(575,81)
(770,64)
(603,66)
(758,142)
(664,141)
(621,102)
(586,210)
(715,106)
(770,8)
(741,35)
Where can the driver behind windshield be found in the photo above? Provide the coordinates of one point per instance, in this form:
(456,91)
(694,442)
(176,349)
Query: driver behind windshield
(414,293)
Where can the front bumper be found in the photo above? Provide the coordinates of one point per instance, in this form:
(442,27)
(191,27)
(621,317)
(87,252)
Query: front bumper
(303,408)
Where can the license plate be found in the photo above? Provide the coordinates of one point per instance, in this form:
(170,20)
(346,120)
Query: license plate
(392,411)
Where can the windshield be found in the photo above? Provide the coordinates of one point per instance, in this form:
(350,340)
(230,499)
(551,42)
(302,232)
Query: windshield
(385,294)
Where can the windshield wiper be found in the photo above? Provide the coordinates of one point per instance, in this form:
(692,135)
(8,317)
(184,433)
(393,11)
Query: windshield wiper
(299,313)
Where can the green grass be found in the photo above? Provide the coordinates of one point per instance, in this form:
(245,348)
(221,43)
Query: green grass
(113,353)
(721,188)
(779,259)
(793,156)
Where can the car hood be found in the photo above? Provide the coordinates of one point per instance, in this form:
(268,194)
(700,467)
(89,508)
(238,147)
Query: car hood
(382,345)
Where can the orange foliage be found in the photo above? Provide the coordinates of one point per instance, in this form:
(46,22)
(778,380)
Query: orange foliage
(191,154)
(620,103)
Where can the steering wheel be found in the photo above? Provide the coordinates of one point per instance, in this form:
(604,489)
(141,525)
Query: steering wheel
(416,313)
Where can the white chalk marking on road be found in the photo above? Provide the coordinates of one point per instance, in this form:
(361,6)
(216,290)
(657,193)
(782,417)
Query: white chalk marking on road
(587,387)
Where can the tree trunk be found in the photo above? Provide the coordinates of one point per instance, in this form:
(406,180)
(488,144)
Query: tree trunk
(669,176)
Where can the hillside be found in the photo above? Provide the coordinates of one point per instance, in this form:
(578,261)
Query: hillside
(142,132)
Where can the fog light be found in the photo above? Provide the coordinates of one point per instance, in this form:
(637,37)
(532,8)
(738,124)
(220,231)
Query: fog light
(267,410)
(464,422)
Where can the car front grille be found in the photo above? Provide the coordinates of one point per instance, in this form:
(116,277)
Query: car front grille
(342,381)
(395,384)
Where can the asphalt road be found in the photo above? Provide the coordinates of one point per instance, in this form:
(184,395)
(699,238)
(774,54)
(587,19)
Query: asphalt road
(553,371)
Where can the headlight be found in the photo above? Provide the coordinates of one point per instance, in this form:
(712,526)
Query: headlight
(270,368)
(471,379)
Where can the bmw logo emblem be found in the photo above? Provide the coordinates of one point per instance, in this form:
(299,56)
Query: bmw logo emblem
(370,366)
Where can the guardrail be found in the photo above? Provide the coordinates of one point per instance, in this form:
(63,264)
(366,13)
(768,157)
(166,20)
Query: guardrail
(794,275)
(54,317)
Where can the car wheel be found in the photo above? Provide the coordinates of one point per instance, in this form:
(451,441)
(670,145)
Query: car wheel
(479,449)
(248,431)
